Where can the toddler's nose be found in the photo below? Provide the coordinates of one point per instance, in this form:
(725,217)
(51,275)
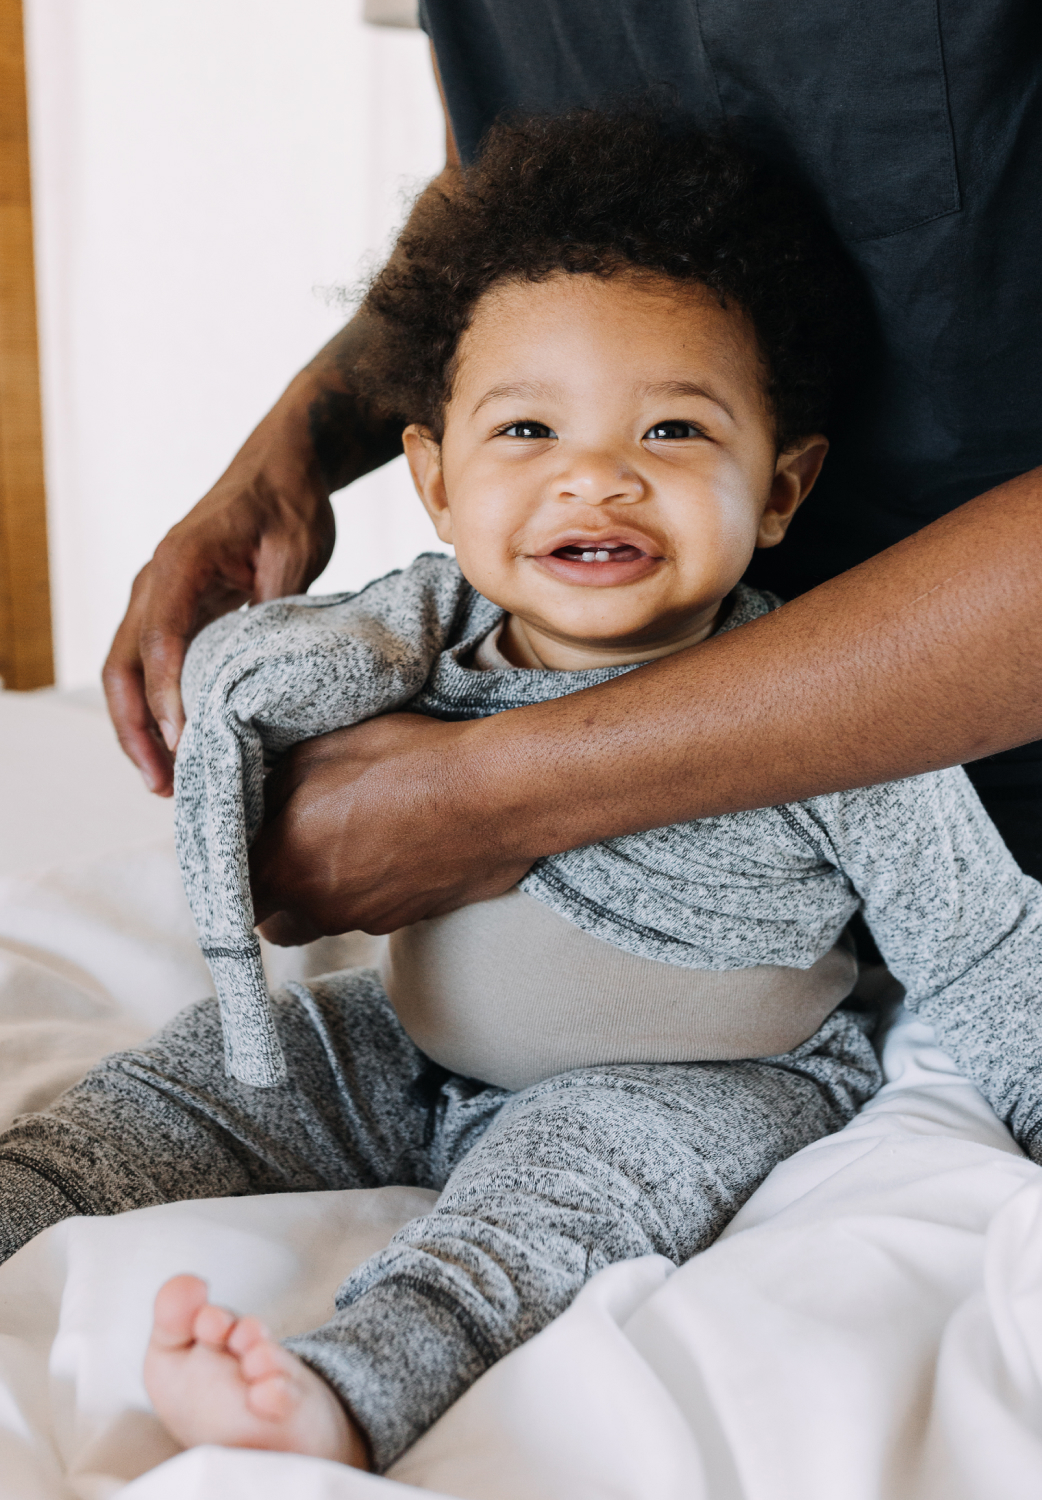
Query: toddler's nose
(597,477)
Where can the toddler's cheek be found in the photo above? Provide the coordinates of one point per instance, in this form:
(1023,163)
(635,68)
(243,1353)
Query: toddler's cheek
(493,574)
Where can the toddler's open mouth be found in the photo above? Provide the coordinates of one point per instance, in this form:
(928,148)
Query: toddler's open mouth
(603,563)
(593,552)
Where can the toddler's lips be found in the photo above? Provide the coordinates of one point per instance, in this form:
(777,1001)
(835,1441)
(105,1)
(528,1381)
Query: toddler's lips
(603,564)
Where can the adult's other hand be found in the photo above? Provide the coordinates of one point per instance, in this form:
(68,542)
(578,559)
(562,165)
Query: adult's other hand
(375,827)
(264,530)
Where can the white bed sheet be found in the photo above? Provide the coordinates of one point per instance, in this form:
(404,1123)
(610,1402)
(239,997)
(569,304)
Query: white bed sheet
(869,1327)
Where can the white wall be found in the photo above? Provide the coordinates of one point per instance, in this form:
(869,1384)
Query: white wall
(203,171)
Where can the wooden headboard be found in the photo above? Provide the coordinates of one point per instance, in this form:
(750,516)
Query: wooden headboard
(26,659)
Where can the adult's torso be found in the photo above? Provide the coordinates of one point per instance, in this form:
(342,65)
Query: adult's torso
(918,124)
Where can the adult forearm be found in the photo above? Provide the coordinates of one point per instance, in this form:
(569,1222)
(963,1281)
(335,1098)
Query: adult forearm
(324,415)
(925,656)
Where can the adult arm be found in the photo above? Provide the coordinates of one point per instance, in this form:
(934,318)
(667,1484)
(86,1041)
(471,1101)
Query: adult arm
(265,530)
(925,656)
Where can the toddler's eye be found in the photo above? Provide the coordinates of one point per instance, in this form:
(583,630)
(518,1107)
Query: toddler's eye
(527,430)
(666,430)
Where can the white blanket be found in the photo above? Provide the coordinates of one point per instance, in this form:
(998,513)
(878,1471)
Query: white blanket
(869,1327)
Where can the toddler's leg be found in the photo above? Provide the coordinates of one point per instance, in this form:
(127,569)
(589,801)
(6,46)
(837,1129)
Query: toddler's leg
(163,1122)
(596,1166)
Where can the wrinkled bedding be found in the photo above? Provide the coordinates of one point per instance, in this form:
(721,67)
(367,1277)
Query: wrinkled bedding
(870,1326)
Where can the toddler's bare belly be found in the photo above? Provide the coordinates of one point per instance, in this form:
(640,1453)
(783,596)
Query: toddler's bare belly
(509,992)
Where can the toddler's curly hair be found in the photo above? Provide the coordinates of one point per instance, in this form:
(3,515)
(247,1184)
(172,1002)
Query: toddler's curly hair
(608,194)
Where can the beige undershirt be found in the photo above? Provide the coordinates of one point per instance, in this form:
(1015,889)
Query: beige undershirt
(509,992)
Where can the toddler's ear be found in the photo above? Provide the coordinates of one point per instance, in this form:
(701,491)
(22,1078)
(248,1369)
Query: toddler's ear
(424,456)
(794,477)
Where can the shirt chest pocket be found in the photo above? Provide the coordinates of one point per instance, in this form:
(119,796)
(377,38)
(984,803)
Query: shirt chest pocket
(852,92)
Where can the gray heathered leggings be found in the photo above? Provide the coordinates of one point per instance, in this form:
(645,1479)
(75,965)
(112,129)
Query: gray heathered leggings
(539,1189)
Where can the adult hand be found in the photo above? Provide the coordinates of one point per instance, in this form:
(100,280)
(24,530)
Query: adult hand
(265,529)
(375,827)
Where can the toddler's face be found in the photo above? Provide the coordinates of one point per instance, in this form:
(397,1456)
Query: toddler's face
(608,463)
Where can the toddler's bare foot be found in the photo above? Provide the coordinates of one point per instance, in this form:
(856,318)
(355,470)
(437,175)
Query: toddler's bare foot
(215,1378)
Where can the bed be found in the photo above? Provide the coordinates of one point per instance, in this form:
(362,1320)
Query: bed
(869,1327)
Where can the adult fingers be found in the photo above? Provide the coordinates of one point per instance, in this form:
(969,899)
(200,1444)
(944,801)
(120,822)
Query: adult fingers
(289,930)
(188,583)
(252,548)
(163,655)
(123,679)
(172,597)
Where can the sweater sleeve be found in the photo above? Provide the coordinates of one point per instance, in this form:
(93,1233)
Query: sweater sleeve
(256,683)
(958,922)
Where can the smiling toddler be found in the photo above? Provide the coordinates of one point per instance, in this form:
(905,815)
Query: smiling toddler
(615,353)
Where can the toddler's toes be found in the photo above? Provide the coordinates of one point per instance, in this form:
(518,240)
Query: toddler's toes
(213,1325)
(267,1363)
(265,1358)
(271,1373)
(247,1333)
(267,1369)
(272,1397)
(178,1304)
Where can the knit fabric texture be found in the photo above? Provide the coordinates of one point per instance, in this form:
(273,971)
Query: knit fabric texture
(957,922)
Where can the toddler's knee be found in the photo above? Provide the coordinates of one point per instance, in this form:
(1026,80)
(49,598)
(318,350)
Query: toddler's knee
(346,1015)
(841,1062)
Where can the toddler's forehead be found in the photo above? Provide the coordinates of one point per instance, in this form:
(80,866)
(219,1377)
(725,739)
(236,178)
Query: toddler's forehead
(598,306)
(627,329)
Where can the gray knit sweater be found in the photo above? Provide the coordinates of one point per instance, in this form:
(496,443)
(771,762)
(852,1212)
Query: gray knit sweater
(957,921)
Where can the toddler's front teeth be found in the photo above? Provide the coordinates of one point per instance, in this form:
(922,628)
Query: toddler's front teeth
(599,556)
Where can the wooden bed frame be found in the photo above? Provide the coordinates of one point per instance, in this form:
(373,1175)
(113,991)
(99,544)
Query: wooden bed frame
(26,659)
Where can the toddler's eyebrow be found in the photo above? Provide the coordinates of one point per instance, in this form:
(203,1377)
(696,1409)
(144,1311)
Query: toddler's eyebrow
(686,388)
(536,390)
(523,390)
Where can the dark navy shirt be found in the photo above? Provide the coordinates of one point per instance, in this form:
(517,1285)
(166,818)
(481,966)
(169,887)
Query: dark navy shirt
(918,125)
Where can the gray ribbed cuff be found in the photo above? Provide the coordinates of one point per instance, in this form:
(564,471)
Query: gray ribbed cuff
(31,1200)
(398,1357)
(252,1050)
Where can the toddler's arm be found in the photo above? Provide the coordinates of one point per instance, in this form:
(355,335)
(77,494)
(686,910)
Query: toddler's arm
(255,684)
